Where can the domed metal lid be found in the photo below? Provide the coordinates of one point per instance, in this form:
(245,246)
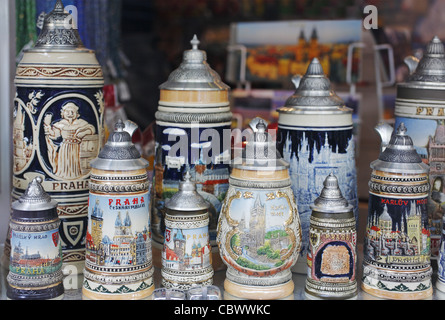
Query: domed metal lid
(187,199)
(260,152)
(314,94)
(431,68)
(194,73)
(399,155)
(331,199)
(34,198)
(119,153)
(58,31)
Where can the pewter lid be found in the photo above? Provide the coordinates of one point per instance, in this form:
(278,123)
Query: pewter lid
(194,73)
(58,31)
(431,68)
(119,153)
(314,94)
(34,198)
(187,199)
(400,156)
(260,152)
(331,199)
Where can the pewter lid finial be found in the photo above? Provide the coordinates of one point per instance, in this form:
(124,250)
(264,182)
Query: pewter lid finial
(34,198)
(195,42)
(331,199)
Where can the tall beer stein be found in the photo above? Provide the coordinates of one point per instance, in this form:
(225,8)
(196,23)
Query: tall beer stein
(315,135)
(118,262)
(259,234)
(440,283)
(193,115)
(35,268)
(58,125)
(420,106)
(396,262)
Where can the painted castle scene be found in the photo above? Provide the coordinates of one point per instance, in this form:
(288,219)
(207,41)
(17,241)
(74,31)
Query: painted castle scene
(397,233)
(186,250)
(31,257)
(262,242)
(312,156)
(211,176)
(429,140)
(121,239)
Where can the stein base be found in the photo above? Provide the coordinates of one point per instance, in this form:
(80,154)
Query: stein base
(145,294)
(234,291)
(440,286)
(426,294)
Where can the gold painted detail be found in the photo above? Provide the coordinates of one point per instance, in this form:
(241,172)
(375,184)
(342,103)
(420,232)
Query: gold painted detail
(59,72)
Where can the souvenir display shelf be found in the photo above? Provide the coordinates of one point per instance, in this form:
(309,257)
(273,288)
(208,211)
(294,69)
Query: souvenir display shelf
(74,292)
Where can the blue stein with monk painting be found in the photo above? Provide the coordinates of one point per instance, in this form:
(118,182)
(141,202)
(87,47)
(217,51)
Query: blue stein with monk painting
(58,126)
(315,136)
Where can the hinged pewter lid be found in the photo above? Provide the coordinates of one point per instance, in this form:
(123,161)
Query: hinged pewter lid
(314,94)
(34,198)
(187,199)
(331,199)
(399,155)
(260,152)
(430,70)
(194,73)
(58,32)
(119,153)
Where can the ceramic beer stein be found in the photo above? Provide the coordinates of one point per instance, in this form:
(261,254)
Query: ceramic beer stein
(259,234)
(118,263)
(193,114)
(187,254)
(332,253)
(396,262)
(315,135)
(58,125)
(420,106)
(35,268)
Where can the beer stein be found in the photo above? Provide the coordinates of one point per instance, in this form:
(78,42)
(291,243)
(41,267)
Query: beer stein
(315,136)
(259,233)
(118,263)
(397,246)
(187,254)
(332,253)
(35,268)
(58,126)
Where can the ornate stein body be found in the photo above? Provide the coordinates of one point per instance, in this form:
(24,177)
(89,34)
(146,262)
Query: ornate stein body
(192,117)
(58,125)
(35,269)
(118,262)
(396,263)
(420,106)
(332,253)
(259,233)
(187,254)
(315,135)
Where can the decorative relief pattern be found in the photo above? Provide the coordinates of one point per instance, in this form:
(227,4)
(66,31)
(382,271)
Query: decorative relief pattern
(59,72)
